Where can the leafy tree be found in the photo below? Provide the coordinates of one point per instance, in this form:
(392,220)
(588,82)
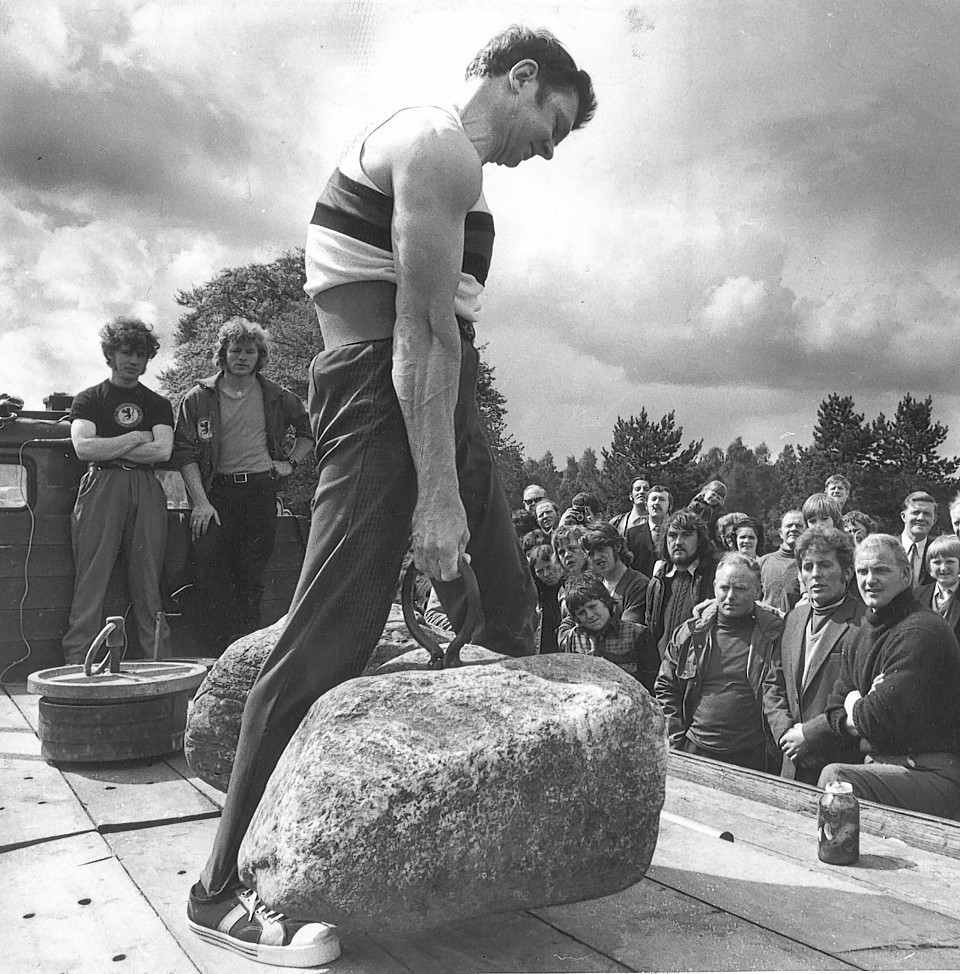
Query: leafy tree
(639,444)
(543,472)
(507,452)
(582,475)
(271,294)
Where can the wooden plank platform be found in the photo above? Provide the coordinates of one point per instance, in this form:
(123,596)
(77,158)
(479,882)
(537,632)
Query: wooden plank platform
(138,834)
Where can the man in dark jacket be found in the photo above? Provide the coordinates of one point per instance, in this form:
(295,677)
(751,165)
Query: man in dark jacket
(898,694)
(716,673)
(230,446)
(683,578)
(811,650)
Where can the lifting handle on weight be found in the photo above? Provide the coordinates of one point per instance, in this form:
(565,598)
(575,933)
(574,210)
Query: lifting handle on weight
(115,636)
(439,658)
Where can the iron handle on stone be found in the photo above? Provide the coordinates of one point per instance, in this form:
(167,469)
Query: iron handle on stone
(441,658)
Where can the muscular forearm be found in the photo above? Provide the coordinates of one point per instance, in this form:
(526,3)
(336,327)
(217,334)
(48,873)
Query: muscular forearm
(103,448)
(148,453)
(426,376)
(194,484)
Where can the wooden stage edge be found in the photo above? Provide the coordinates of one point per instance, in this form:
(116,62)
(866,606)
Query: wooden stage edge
(926,832)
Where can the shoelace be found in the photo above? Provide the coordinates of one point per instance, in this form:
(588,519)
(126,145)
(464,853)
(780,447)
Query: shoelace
(258,908)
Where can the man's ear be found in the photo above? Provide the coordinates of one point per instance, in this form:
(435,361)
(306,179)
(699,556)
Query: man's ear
(522,73)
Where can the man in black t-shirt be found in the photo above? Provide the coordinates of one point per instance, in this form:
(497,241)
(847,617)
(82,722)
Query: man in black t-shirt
(121,428)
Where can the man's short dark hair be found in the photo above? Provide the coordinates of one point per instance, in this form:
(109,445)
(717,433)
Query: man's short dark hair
(524,521)
(127,333)
(686,520)
(557,70)
(533,538)
(587,500)
(580,589)
(602,534)
(825,539)
(660,489)
(918,496)
(540,553)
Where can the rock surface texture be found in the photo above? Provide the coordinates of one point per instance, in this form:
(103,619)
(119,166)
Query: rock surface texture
(420,798)
(213,724)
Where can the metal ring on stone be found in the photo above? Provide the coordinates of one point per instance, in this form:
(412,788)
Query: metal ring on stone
(440,659)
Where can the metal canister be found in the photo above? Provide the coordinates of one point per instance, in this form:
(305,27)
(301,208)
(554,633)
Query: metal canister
(838,818)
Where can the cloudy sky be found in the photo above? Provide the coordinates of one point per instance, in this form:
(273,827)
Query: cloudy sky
(764,210)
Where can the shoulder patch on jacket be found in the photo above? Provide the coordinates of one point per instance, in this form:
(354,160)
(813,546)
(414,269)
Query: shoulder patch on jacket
(204,430)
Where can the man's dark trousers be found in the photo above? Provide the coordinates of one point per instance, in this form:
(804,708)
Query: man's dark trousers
(229,560)
(359,532)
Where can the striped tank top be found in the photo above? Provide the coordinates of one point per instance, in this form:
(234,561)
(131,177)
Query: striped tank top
(349,239)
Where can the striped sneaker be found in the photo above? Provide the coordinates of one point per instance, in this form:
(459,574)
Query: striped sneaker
(240,921)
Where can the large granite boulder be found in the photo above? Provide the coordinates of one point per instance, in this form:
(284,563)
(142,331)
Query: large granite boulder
(423,797)
(213,724)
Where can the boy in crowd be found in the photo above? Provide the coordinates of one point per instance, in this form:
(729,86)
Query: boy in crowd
(819,511)
(837,488)
(548,576)
(567,543)
(858,525)
(610,558)
(598,632)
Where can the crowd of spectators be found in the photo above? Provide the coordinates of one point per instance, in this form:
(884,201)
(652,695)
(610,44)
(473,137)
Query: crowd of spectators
(833,656)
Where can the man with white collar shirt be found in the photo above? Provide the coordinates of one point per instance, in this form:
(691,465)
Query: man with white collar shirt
(919,515)
(645,539)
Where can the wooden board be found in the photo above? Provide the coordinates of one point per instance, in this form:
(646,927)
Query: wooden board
(888,865)
(123,795)
(165,861)
(69,906)
(35,802)
(651,927)
(929,832)
(817,905)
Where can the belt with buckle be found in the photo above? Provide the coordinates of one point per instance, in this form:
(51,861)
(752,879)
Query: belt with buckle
(119,465)
(243,478)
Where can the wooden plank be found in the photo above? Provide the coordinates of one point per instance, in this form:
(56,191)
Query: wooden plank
(165,861)
(35,802)
(886,865)
(925,831)
(69,906)
(117,797)
(120,795)
(929,832)
(179,764)
(818,905)
(651,927)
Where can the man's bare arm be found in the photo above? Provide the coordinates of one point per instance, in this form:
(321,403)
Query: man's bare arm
(89,446)
(158,450)
(435,181)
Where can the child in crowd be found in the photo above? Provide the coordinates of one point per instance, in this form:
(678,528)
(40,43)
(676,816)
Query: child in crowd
(598,632)
(858,525)
(567,544)
(821,511)
(548,576)
(610,558)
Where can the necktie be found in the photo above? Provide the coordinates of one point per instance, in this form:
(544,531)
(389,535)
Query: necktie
(915,562)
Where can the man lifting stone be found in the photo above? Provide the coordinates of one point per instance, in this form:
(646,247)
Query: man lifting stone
(397,255)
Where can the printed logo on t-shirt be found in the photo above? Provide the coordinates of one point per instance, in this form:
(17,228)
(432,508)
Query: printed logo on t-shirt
(204,430)
(128,415)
